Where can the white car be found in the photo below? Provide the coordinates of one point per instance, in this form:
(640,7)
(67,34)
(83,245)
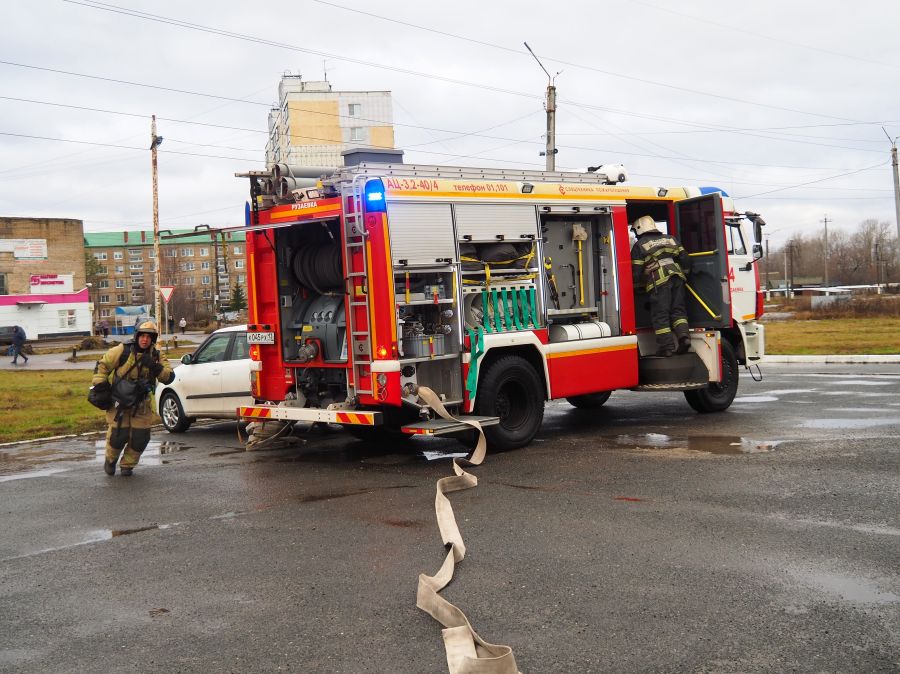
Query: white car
(212,382)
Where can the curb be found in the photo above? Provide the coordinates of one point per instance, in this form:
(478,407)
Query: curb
(833,359)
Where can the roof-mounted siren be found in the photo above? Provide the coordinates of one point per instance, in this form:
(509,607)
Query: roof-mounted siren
(611,173)
(374,196)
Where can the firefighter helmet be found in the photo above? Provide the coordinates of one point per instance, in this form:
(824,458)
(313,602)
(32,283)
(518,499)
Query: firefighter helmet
(147,328)
(643,225)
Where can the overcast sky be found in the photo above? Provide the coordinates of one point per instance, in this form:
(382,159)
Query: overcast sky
(780,103)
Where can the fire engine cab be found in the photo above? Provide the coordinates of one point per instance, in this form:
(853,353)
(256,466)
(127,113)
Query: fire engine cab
(496,289)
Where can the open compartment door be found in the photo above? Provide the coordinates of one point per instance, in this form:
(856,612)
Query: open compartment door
(701,230)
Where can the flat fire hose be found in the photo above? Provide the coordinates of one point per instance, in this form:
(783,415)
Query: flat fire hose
(467,653)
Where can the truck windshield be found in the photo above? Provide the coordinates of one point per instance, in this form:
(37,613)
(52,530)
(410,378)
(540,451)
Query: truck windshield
(735,239)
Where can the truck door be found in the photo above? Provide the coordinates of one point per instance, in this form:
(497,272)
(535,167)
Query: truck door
(701,230)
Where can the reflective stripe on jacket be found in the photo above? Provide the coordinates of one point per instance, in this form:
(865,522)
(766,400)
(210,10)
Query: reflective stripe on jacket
(657,257)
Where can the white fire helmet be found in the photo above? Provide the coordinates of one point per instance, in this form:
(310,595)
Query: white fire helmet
(643,225)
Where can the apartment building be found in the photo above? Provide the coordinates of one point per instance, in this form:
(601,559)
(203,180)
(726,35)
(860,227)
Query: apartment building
(204,269)
(313,124)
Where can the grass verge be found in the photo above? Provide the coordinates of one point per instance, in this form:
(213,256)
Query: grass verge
(844,336)
(43,403)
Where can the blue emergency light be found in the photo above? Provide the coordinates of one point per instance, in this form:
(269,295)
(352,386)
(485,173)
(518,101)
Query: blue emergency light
(374,192)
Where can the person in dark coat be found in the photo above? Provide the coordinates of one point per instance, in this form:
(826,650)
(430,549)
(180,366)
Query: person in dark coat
(18,343)
(660,265)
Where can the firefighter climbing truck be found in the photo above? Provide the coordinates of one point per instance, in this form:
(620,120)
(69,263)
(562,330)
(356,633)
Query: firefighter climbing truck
(497,290)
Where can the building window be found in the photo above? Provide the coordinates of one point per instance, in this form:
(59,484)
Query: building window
(66,318)
(4,290)
(355,109)
(102,271)
(120,283)
(204,265)
(104,313)
(99,256)
(120,269)
(192,294)
(204,280)
(120,299)
(187,252)
(242,279)
(171,252)
(118,255)
(238,250)
(204,252)
(207,294)
(189,281)
(136,267)
(356,133)
(104,299)
(190,266)
(238,264)
(103,284)
(152,254)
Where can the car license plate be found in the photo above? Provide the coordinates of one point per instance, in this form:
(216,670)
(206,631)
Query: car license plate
(260,337)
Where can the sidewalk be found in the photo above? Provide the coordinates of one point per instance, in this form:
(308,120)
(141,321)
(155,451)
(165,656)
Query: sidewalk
(57,361)
(834,359)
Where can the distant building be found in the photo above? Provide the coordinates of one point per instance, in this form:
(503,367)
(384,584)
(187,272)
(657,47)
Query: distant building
(200,267)
(312,124)
(42,276)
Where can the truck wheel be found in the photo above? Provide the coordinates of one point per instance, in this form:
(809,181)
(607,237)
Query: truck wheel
(172,413)
(511,389)
(717,396)
(590,401)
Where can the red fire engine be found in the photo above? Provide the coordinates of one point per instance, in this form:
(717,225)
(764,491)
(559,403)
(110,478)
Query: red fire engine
(496,289)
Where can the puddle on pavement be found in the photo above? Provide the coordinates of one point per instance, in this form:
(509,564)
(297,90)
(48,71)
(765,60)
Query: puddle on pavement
(846,424)
(849,588)
(21,462)
(158,452)
(709,444)
(756,399)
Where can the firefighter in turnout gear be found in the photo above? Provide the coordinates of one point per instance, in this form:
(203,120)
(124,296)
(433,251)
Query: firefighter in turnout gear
(660,266)
(138,365)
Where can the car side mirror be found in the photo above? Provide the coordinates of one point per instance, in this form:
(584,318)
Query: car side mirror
(186,359)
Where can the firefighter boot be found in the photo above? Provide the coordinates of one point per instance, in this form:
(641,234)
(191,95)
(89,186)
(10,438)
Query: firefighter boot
(684,344)
(109,467)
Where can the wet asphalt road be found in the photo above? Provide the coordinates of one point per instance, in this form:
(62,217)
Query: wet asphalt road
(640,537)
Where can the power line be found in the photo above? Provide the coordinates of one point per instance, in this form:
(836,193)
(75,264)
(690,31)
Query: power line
(811,182)
(250,38)
(569,63)
(740,29)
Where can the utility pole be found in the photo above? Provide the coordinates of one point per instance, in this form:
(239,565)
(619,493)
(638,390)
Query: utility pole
(155,142)
(826,251)
(550,105)
(896,185)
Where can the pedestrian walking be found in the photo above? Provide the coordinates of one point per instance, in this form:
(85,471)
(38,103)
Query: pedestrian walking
(660,265)
(105,326)
(18,344)
(182,324)
(129,373)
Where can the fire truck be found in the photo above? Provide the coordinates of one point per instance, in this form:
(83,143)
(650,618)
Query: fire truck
(498,290)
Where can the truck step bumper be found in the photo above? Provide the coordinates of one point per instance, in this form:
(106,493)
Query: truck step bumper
(275,413)
(444,426)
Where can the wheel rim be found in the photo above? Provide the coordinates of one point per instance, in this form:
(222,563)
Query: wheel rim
(511,405)
(170,414)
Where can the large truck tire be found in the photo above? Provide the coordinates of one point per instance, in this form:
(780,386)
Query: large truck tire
(718,396)
(590,401)
(511,389)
